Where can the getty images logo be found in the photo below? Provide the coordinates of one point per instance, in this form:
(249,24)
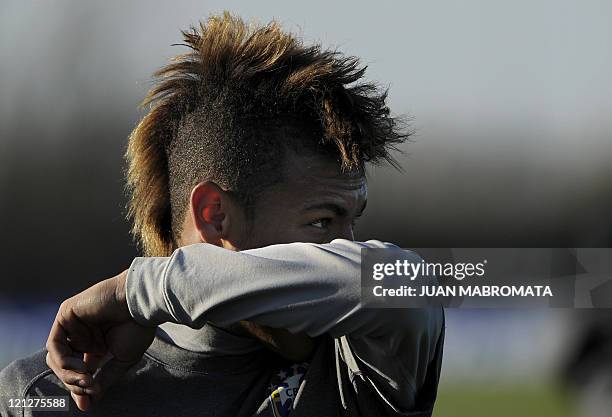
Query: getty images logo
(412,270)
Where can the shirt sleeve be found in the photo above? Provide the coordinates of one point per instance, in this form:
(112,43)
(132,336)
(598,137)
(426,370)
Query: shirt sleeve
(302,287)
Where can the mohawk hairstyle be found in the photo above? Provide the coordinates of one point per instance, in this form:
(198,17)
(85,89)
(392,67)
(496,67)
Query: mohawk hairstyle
(227,110)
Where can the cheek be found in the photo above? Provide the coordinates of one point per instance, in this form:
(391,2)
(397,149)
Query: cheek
(273,230)
(285,231)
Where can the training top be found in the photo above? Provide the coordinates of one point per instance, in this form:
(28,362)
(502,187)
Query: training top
(366,362)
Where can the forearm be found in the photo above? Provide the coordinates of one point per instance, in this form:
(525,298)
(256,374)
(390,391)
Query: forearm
(301,287)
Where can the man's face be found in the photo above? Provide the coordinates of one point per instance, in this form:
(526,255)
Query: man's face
(315,202)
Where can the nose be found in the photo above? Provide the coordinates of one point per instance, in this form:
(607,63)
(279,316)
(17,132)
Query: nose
(346,233)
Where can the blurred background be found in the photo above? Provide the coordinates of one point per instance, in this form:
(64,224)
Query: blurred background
(511,103)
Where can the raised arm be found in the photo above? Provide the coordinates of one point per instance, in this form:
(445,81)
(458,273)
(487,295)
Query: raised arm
(302,287)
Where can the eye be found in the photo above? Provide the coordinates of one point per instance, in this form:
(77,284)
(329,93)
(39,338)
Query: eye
(320,223)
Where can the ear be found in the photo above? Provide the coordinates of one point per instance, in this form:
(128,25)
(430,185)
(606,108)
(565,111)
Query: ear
(211,210)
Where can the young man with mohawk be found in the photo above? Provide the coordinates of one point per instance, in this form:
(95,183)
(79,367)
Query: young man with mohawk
(246,177)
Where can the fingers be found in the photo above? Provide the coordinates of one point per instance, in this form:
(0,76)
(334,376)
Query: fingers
(77,342)
(83,402)
(79,385)
(69,376)
(60,351)
(86,390)
(93,361)
(66,363)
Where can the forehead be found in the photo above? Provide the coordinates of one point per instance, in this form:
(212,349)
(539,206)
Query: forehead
(320,168)
(312,177)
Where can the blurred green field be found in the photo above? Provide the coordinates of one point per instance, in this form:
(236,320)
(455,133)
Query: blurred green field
(499,400)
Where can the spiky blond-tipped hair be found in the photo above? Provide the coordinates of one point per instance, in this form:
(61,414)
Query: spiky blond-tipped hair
(227,109)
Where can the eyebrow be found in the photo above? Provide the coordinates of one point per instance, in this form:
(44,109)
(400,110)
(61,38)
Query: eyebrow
(337,209)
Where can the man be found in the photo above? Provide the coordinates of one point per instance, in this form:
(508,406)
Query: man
(246,178)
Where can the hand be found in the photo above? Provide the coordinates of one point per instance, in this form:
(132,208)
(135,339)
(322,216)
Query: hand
(94,340)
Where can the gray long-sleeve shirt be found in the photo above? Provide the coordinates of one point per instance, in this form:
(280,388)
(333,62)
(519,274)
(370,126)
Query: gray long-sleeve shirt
(367,361)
